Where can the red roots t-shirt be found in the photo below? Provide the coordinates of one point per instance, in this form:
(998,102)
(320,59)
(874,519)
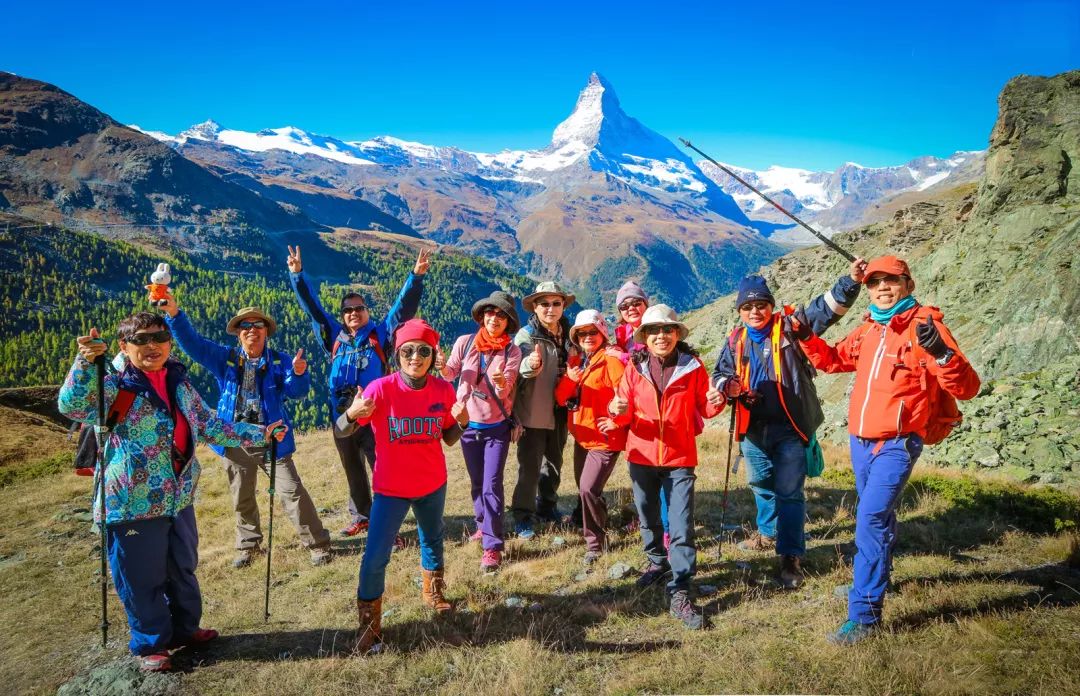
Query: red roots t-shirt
(408,425)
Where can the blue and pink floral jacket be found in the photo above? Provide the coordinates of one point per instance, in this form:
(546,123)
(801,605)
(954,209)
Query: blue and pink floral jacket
(140,483)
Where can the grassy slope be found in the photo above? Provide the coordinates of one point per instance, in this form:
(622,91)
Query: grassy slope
(985,601)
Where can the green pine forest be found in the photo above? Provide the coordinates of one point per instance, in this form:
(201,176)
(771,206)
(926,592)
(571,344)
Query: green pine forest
(57,283)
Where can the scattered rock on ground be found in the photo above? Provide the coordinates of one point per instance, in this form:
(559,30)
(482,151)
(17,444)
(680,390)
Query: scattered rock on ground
(122,678)
(619,571)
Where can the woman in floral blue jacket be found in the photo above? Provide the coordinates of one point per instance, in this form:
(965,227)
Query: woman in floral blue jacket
(150,479)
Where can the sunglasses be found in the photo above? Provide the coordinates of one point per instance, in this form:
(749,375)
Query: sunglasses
(497,313)
(629,304)
(141,339)
(663,329)
(408,352)
(353,308)
(257,324)
(587,334)
(889,279)
(556,303)
(751,306)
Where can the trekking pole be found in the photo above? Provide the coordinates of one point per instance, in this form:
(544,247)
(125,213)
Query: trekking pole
(828,242)
(270,530)
(727,478)
(101,430)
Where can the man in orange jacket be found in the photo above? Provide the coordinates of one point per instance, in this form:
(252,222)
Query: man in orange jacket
(895,355)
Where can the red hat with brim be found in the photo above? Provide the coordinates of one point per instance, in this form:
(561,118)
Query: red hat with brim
(890,265)
(416,330)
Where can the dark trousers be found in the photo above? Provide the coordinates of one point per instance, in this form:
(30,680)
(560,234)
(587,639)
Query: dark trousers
(592,469)
(485,453)
(153,567)
(352,451)
(539,455)
(387,515)
(678,483)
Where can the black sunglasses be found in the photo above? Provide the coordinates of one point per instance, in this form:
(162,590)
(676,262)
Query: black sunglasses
(408,351)
(141,339)
(257,324)
(354,308)
(630,303)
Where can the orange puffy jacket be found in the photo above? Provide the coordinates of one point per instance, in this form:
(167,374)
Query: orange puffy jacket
(890,394)
(603,374)
(664,428)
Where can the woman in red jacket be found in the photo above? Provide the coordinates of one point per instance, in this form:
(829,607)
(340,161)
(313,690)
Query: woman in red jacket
(586,389)
(664,396)
(411,413)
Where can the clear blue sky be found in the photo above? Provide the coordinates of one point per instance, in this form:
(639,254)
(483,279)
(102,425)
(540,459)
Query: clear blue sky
(779,83)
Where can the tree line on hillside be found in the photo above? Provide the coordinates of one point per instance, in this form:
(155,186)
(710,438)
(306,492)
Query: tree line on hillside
(57,283)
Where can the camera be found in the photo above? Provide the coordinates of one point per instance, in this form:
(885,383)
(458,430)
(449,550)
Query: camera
(573,403)
(343,398)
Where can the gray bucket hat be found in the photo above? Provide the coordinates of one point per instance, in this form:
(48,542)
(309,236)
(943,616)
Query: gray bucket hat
(548,287)
(499,300)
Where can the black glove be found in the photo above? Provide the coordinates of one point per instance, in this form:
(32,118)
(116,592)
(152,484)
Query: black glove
(930,338)
(800,325)
(749,398)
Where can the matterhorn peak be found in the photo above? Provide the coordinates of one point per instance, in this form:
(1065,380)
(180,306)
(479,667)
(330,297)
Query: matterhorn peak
(596,103)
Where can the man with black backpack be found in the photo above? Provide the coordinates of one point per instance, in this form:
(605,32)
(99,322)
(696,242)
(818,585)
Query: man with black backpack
(909,372)
(357,348)
(254,381)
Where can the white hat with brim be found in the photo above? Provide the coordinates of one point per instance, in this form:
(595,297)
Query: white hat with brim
(660,315)
(588,318)
(548,287)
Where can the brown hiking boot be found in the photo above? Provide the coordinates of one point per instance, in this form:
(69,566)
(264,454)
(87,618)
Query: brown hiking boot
(434,584)
(757,542)
(791,575)
(369,630)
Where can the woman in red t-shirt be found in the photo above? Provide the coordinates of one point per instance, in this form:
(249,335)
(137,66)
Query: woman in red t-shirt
(411,413)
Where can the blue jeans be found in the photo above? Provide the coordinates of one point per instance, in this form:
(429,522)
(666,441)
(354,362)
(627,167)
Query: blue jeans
(387,514)
(881,469)
(776,469)
(153,567)
(650,484)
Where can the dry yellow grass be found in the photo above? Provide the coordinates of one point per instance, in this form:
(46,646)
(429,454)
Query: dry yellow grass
(982,605)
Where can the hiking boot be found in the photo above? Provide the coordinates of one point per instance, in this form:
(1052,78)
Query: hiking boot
(757,543)
(491,560)
(791,575)
(355,528)
(157,662)
(244,557)
(591,557)
(201,636)
(652,574)
(84,471)
(369,628)
(524,530)
(320,556)
(683,609)
(434,584)
(851,632)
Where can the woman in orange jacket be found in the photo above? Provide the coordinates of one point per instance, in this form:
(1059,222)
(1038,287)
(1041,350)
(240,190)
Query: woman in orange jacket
(585,390)
(663,398)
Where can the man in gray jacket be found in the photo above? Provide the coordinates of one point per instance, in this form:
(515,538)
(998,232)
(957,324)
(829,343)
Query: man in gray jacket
(545,347)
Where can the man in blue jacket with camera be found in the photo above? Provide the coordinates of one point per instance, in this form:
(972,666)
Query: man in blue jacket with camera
(254,381)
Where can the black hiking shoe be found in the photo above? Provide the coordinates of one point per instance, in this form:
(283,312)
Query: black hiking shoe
(652,574)
(683,609)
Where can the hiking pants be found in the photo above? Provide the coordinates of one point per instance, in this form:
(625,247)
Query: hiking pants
(776,471)
(678,482)
(153,567)
(485,451)
(881,469)
(353,450)
(592,469)
(242,467)
(387,515)
(539,455)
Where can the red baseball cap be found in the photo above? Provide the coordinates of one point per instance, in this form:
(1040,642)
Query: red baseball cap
(416,330)
(890,265)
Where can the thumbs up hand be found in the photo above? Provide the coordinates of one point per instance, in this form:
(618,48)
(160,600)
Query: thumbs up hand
(618,406)
(299,363)
(90,347)
(360,407)
(536,359)
(440,359)
(930,338)
(496,374)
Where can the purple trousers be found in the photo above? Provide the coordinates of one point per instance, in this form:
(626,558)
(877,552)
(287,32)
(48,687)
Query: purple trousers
(592,469)
(485,451)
